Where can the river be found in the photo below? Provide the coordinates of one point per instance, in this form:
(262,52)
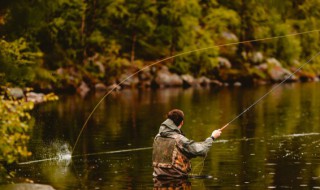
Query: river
(274,145)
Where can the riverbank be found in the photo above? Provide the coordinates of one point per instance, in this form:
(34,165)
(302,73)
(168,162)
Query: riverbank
(261,71)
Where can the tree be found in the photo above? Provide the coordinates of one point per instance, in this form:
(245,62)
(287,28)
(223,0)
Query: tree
(17,62)
(311,12)
(14,127)
(179,30)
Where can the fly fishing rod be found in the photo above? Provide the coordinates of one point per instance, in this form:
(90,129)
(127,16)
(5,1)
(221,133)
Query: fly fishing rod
(172,57)
(266,94)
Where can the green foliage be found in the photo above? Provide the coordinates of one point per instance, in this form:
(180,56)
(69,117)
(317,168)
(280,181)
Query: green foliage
(70,33)
(181,31)
(14,127)
(17,61)
(64,33)
(311,12)
(286,49)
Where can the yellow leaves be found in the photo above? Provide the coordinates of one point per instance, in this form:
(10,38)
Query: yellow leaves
(13,129)
(51,97)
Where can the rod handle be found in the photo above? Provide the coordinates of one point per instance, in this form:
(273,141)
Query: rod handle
(226,125)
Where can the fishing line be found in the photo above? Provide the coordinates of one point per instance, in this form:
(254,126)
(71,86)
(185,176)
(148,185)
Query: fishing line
(262,97)
(149,148)
(171,57)
(266,94)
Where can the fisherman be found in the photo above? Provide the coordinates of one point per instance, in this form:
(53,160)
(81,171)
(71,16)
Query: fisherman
(172,151)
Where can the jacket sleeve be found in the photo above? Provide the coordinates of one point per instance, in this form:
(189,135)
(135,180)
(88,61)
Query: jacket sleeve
(193,149)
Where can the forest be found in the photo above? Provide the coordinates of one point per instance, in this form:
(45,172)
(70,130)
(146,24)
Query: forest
(57,45)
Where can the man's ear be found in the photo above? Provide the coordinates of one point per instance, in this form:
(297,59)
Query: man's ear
(181,124)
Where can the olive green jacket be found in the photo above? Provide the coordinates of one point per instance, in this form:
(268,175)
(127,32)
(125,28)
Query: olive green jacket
(190,147)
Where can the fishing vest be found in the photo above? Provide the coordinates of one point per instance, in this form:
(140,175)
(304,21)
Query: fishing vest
(167,153)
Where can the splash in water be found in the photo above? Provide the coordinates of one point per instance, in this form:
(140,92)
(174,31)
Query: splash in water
(64,153)
(57,152)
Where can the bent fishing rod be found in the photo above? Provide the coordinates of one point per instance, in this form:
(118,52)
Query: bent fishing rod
(266,94)
(174,56)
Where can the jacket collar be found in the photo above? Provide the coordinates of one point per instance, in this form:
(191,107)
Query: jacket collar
(168,128)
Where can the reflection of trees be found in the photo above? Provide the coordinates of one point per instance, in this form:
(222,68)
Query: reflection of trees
(131,118)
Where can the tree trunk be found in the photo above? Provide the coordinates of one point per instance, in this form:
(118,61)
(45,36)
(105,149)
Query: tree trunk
(134,38)
(82,34)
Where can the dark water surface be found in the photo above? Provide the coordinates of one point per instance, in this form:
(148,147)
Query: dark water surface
(275,145)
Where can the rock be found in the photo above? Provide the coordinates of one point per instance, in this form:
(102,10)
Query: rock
(188,80)
(16,92)
(114,87)
(145,74)
(26,186)
(304,75)
(262,67)
(38,98)
(225,38)
(224,63)
(35,97)
(83,89)
(229,36)
(256,57)
(145,77)
(216,83)
(277,72)
(60,71)
(129,80)
(260,81)
(164,78)
(274,62)
(203,81)
(237,84)
(100,87)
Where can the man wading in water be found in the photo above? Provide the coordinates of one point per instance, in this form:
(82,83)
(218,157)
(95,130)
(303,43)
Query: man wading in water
(172,151)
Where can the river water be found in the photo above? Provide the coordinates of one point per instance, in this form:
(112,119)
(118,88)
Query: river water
(274,145)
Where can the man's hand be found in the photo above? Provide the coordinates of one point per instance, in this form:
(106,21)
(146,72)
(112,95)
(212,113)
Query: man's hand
(216,133)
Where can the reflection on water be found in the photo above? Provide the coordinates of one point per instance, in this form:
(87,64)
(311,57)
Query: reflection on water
(168,184)
(274,145)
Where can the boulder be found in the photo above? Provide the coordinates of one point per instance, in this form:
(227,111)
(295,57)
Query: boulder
(145,74)
(35,97)
(83,89)
(276,72)
(237,84)
(224,63)
(225,38)
(164,78)
(216,83)
(256,57)
(100,87)
(26,186)
(229,36)
(145,77)
(16,93)
(262,67)
(114,87)
(128,80)
(203,81)
(188,80)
